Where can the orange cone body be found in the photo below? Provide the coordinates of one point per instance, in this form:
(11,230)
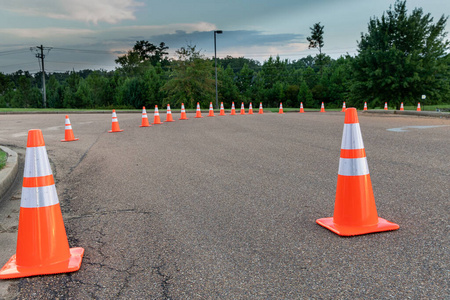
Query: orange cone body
(68,132)
(169,117)
(355,212)
(233,109)
(222,110)
(183,113)
(401,106)
(156,118)
(343,107)
(260,108)
(144,118)
(211,110)
(418,107)
(301,107)
(280,111)
(365,105)
(242,109)
(198,113)
(322,108)
(385,106)
(115,123)
(42,246)
(250,109)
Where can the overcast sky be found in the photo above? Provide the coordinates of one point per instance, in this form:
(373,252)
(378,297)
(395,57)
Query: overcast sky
(251,28)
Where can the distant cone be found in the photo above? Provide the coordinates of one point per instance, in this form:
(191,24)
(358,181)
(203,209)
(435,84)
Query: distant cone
(144,118)
(42,245)
(301,108)
(183,113)
(198,113)
(233,109)
(68,132)
(385,106)
(156,118)
(343,107)
(169,117)
(222,110)
(250,109)
(401,106)
(365,105)
(355,212)
(418,107)
(322,108)
(242,109)
(260,108)
(211,110)
(280,111)
(115,123)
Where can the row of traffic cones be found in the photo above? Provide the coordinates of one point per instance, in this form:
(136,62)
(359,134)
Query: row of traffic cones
(43,248)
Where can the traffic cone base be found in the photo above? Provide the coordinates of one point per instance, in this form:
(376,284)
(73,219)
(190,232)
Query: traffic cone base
(382,225)
(70,140)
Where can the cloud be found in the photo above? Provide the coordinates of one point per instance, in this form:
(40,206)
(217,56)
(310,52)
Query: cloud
(109,11)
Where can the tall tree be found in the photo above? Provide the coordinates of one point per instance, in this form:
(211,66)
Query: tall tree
(316,38)
(402,57)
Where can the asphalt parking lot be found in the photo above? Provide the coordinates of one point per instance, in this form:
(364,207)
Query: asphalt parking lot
(225,207)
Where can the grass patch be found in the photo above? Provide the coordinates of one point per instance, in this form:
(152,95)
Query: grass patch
(3,159)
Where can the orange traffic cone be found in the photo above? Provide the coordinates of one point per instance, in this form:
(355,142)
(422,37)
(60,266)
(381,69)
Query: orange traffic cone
(301,108)
(260,108)
(222,110)
(233,109)
(343,107)
(250,109)
(42,246)
(385,106)
(365,105)
(322,108)
(242,109)
(156,118)
(183,113)
(401,106)
(68,132)
(115,123)
(211,110)
(169,117)
(144,118)
(198,113)
(418,107)
(355,212)
(280,111)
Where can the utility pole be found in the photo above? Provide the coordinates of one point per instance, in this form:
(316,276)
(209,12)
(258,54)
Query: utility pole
(40,55)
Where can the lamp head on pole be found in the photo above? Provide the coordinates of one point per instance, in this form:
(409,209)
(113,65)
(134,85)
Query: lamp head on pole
(218,31)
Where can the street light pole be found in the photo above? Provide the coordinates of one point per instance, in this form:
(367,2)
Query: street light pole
(215,59)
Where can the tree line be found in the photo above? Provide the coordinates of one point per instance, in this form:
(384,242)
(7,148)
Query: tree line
(401,57)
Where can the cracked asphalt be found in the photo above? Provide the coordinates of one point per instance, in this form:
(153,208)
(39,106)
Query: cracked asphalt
(225,208)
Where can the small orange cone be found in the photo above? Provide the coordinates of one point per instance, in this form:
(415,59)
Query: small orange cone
(365,105)
(169,117)
(198,113)
(418,107)
(68,132)
(322,108)
(280,111)
(183,113)
(260,108)
(211,110)
(222,110)
(250,109)
(233,109)
(42,245)
(301,108)
(144,118)
(385,106)
(401,106)
(343,107)
(355,212)
(242,109)
(115,123)
(156,118)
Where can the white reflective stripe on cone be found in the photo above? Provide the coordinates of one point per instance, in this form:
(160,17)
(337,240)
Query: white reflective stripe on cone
(144,116)
(114,115)
(353,166)
(115,120)
(351,138)
(68,127)
(67,121)
(36,162)
(39,196)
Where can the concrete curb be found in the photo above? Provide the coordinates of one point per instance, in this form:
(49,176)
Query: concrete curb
(9,172)
(433,114)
